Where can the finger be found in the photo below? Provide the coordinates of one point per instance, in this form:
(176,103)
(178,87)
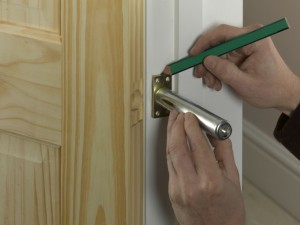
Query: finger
(171,169)
(211,80)
(218,85)
(224,155)
(178,150)
(235,57)
(199,71)
(172,118)
(205,80)
(204,159)
(225,71)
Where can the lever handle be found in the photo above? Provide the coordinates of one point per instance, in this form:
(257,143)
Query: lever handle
(211,123)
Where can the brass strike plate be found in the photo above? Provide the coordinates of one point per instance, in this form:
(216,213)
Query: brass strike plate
(159,81)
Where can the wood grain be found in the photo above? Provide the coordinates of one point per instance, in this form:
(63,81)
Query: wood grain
(30,112)
(30,83)
(40,14)
(30,184)
(102,160)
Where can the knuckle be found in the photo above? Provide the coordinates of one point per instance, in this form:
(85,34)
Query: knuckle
(258,25)
(223,26)
(225,71)
(248,50)
(188,196)
(175,150)
(185,194)
(171,149)
(221,68)
(211,187)
(174,196)
(253,26)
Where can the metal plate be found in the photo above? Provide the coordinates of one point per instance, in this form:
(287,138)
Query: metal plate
(159,81)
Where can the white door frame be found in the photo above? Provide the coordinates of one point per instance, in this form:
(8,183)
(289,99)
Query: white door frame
(171,27)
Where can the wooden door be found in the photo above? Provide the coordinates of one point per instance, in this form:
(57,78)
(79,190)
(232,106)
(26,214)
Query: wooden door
(102,162)
(30,112)
(71,112)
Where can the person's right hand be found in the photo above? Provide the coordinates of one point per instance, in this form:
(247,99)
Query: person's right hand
(256,72)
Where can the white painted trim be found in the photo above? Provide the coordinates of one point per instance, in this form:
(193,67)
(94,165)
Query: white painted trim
(171,28)
(271,168)
(160,50)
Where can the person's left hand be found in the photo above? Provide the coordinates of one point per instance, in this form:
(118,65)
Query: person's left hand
(204,186)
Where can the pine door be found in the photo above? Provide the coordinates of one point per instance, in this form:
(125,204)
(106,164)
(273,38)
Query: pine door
(30,112)
(71,112)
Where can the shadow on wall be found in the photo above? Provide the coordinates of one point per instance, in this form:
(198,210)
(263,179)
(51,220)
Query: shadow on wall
(161,173)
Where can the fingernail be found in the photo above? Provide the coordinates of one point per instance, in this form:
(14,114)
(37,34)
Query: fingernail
(188,115)
(197,73)
(194,50)
(218,86)
(173,114)
(207,81)
(191,51)
(180,117)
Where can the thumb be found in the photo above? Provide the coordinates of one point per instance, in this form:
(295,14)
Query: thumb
(224,70)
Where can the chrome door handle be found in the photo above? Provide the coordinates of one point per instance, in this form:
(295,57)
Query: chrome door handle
(164,100)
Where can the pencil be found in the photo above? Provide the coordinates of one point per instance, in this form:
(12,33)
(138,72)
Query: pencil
(228,46)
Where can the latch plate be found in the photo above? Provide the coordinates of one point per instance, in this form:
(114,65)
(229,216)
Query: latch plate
(160,81)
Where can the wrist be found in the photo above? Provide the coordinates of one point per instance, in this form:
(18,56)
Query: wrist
(293,99)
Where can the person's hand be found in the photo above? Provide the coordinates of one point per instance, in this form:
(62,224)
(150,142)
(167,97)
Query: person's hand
(204,186)
(256,72)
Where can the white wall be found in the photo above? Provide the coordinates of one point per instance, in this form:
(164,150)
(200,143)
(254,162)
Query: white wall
(287,42)
(265,162)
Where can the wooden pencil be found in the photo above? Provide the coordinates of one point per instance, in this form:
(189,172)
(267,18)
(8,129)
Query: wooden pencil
(228,46)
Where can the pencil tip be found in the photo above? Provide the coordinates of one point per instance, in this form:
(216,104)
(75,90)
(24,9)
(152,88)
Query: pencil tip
(167,71)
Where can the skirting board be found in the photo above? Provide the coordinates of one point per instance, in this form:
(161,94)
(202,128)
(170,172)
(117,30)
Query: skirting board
(271,168)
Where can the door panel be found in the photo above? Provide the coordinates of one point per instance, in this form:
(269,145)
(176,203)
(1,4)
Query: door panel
(40,14)
(102,162)
(171,28)
(30,181)
(30,73)
(30,112)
